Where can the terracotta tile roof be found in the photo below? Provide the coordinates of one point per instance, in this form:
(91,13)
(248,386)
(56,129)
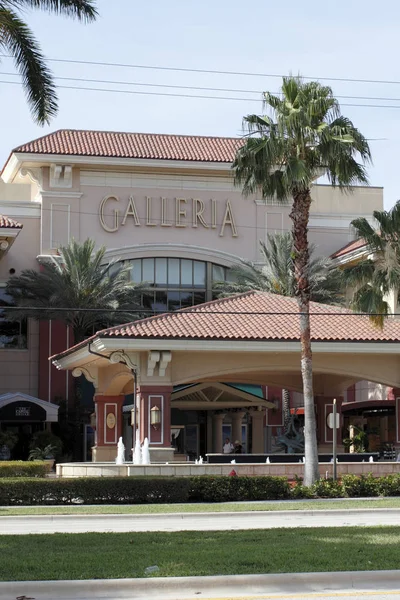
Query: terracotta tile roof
(350,247)
(134,145)
(253,316)
(7,223)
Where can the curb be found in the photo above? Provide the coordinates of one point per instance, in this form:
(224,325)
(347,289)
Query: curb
(195,587)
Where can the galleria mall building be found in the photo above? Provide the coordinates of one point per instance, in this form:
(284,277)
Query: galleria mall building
(167,206)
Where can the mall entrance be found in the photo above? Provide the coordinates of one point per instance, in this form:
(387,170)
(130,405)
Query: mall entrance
(21,416)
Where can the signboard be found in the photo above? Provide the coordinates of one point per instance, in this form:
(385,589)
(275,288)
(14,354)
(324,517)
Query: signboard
(330,421)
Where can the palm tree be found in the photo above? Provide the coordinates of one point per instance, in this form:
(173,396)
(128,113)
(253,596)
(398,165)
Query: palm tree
(79,288)
(17,39)
(304,137)
(374,279)
(276,275)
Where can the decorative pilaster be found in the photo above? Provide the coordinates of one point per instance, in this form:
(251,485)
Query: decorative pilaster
(108,411)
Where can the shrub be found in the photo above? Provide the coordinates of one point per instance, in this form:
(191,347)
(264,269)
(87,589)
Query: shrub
(228,489)
(42,439)
(360,486)
(328,488)
(141,490)
(9,439)
(19,468)
(389,486)
(300,491)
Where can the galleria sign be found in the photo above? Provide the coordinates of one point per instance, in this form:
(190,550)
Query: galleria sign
(167,212)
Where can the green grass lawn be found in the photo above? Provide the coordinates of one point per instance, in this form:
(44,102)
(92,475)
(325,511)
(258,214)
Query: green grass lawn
(201,508)
(124,555)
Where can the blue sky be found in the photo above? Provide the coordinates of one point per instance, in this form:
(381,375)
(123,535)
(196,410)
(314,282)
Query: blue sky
(352,39)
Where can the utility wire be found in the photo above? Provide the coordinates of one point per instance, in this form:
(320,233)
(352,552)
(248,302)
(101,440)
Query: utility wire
(210,71)
(138,92)
(191,87)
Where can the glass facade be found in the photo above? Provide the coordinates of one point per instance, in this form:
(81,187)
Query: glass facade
(13,334)
(174,283)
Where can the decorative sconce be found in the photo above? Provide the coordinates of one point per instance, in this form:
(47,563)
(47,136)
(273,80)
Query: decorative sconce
(155,417)
(135,417)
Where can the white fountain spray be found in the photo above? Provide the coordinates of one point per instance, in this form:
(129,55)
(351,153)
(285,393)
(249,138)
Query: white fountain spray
(146,453)
(120,460)
(137,454)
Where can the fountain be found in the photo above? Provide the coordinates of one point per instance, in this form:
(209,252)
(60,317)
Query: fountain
(120,460)
(137,454)
(146,453)
(267,461)
(371,459)
(200,460)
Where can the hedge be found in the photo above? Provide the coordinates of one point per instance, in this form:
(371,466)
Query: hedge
(141,490)
(19,468)
(174,490)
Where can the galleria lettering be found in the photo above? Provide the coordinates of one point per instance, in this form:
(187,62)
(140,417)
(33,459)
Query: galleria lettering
(168,212)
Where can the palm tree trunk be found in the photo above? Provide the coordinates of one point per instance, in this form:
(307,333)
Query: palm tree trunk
(300,216)
(286,408)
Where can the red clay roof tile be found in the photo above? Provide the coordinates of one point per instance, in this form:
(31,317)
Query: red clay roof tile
(7,223)
(258,316)
(253,316)
(350,247)
(134,145)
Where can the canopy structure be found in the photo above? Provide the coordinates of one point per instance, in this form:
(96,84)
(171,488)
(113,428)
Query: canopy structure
(251,341)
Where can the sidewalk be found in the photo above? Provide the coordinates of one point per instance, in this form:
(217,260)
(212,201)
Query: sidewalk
(207,588)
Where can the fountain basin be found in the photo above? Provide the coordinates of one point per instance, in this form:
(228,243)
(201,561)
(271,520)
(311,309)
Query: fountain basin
(289,470)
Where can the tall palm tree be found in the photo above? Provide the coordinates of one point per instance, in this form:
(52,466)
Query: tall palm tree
(374,279)
(17,39)
(304,136)
(79,288)
(276,274)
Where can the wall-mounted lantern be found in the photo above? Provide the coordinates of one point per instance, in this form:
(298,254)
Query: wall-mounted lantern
(155,417)
(135,417)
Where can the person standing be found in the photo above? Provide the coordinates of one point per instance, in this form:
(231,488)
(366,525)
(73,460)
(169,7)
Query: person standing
(227,447)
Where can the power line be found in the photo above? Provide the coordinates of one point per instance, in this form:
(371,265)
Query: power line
(210,71)
(197,96)
(191,87)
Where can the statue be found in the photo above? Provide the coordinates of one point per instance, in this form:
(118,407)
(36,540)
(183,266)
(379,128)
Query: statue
(292,440)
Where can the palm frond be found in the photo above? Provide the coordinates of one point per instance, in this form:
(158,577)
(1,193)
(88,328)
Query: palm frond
(303,135)
(79,279)
(16,38)
(84,10)
(276,274)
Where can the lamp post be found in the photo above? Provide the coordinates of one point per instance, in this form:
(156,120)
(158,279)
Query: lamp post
(334,432)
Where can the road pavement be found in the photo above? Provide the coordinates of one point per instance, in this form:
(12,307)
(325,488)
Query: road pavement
(376,585)
(197,521)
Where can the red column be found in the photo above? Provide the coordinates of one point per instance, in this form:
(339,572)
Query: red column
(155,397)
(108,427)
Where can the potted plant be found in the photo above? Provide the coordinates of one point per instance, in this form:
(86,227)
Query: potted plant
(46,454)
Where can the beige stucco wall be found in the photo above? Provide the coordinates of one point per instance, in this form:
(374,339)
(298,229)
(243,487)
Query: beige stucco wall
(54,213)
(19,368)
(78,215)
